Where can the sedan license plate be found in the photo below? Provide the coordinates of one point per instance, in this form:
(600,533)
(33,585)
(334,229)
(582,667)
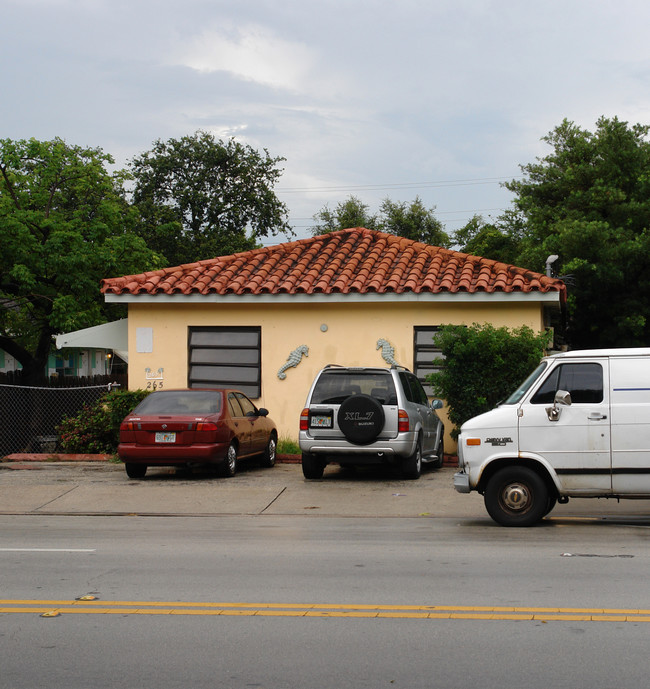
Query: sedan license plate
(321,421)
(165,437)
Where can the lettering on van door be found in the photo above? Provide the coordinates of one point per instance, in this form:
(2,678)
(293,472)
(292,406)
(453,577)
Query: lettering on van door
(498,442)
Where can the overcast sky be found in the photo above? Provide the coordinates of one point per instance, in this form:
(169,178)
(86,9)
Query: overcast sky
(437,98)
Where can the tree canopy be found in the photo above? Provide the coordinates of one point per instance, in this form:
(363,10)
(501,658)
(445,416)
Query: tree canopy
(588,202)
(64,225)
(201,197)
(411,220)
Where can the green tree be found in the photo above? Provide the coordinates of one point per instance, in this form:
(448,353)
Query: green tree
(588,201)
(64,225)
(413,221)
(201,197)
(410,220)
(482,365)
(350,213)
(488,240)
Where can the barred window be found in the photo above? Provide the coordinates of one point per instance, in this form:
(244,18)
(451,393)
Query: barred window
(427,357)
(226,357)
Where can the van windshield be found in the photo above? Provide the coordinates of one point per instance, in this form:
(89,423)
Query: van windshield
(518,394)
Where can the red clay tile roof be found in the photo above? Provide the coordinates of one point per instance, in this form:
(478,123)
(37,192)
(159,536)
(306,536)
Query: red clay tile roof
(348,261)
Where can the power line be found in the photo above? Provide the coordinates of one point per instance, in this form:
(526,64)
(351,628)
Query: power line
(404,185)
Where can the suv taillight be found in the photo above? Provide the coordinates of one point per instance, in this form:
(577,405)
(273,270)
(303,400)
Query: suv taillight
(402,421)
(304,420)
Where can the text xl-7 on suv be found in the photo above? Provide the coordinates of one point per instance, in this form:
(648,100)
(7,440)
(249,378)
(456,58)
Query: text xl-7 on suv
(369,416)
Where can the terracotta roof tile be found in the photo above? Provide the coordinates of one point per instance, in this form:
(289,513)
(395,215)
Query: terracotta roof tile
(348,261)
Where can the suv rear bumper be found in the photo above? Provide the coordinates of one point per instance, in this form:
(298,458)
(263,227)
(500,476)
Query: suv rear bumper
(402,446)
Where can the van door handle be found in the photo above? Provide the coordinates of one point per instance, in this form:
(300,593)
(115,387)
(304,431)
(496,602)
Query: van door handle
(596,416)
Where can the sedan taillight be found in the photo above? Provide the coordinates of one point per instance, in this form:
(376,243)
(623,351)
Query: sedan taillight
(206,426)
(402,421)
(127,426)
(304,420)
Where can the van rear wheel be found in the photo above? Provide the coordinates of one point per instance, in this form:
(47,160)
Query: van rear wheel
(516,496)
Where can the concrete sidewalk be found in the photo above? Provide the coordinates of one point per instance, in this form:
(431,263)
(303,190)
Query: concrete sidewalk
(102,488)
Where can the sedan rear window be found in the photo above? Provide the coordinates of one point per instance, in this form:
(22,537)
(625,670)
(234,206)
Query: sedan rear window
(180,402)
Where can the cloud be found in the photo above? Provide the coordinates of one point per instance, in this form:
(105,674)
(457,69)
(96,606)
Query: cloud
(252,53)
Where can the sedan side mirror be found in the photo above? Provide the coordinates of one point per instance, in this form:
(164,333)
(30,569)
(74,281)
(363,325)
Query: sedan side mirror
(262,412)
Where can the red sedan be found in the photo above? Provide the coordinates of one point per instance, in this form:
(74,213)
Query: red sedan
(186,427)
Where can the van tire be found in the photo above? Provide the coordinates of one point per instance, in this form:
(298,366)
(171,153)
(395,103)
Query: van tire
(516,496)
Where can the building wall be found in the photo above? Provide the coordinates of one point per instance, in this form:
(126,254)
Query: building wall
(337,333)
(75,362)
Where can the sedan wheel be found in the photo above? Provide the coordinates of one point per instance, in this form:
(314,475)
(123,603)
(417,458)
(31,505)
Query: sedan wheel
(135,470)
(229,464)
(268,459)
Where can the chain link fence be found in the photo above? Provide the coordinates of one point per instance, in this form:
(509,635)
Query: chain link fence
(29,415)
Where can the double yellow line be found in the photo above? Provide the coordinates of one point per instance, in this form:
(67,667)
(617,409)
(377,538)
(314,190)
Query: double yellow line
(54,608)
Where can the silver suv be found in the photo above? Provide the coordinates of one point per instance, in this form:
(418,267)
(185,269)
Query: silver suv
(369,416)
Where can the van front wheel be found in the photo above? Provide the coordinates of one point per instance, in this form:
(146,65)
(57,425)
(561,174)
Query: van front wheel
(516,496)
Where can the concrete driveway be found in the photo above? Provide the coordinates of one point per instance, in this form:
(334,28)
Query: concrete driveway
(103,488)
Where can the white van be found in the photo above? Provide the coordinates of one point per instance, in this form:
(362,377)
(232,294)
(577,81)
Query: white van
(578,426)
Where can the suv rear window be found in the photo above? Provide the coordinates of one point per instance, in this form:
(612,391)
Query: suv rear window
(333,387)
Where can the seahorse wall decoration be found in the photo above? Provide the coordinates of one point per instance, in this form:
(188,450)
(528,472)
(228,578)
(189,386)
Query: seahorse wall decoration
(293,360)
(387,351)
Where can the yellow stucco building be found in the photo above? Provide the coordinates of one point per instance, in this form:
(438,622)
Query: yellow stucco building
(265,321)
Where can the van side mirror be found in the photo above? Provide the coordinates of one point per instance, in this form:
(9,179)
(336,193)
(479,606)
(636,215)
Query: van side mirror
(562,398)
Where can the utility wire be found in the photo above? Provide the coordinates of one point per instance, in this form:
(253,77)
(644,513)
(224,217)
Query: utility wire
(404,185)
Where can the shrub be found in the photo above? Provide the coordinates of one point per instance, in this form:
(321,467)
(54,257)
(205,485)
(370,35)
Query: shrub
(482,365)
(96,428)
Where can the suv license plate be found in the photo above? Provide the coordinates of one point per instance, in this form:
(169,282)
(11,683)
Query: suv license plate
(165,437)
(321,421)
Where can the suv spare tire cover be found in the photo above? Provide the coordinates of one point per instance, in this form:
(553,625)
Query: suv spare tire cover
(361,419)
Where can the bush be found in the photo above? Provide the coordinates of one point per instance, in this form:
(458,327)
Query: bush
(482,365)
(96,428)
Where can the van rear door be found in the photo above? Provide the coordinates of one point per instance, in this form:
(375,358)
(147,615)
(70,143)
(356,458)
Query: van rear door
(577,444)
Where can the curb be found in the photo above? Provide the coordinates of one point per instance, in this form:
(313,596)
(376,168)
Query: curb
(46,457)
(24,458)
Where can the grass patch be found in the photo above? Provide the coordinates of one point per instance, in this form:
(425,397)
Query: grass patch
(287,446)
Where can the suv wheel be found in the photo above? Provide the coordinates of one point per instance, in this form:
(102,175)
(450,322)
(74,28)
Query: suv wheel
(412,466)
(311,466)
(361,419)
(440,453)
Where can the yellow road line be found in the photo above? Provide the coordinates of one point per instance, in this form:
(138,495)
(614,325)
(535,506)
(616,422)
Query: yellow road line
(52,608)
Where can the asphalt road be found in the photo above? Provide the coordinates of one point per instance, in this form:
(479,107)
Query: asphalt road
(268,580)
(274,601)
